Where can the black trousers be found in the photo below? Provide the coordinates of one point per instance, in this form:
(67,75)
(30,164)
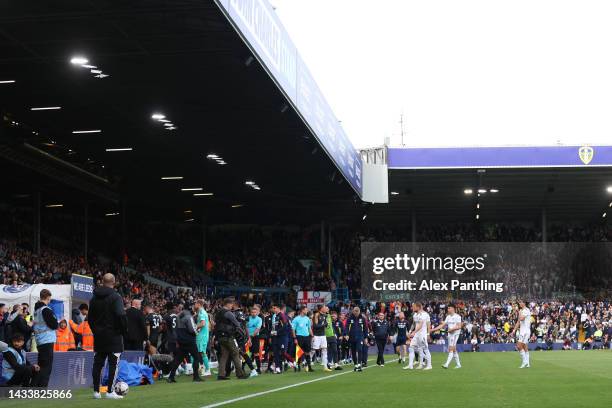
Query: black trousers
(380,344)
(98,364)
(185,350)
(356,350)
(45,361)
(278,349)
(21,378)
(332,350)
(305,344)
(364,353)
(345,348)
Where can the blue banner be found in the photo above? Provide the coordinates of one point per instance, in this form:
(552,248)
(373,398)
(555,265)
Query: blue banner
(82,286)
(72,369)
(502,157)
(257,23)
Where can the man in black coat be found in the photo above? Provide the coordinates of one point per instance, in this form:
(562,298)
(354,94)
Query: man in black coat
(137,332)
(108,324)
(381,331)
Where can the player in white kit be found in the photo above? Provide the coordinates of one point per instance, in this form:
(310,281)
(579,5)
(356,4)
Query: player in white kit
(524,326)
(453,324)
(418,337)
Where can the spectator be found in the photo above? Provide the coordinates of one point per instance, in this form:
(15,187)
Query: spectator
(17,323)
(136,333)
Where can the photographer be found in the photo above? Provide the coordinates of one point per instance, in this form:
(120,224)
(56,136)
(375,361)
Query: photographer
(243,341)
(227,328)
(16,323)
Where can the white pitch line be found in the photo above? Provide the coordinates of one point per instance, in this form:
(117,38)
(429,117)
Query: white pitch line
(286,387)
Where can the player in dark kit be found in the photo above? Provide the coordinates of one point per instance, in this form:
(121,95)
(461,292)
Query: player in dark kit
(380,330)
(345,349)
(169,334)
(401,328)
(356,332)
(279,336)
(152,325)
(186,344)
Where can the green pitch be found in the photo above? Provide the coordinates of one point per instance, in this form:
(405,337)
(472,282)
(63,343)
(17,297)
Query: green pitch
(556,379)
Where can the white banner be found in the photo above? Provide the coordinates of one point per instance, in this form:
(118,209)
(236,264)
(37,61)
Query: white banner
(312,298)
(30,294)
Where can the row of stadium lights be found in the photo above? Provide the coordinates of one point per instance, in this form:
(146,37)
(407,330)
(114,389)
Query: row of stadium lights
(79,61)
(198,191)
(83,62)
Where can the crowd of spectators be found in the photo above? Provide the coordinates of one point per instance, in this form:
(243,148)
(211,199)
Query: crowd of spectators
(293,259)
(494,321)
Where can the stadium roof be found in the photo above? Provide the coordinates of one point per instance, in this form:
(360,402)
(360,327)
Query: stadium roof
(184,60)
(181,59)
(566,194)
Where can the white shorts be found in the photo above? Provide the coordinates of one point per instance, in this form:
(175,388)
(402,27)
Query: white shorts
(524,337)
(419,342)
(319,342)
(452,340)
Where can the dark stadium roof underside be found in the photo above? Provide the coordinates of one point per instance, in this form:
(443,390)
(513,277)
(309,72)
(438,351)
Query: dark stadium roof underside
(180,58)
(566,194)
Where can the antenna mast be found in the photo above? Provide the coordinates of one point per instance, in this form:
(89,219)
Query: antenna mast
(402,127)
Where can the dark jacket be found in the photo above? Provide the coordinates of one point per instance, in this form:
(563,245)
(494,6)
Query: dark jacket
(185,328)
(281,325)
(319,324)
(356,328)
(381,329)
(107,320)
(226,324)
(19,325)
(137,332)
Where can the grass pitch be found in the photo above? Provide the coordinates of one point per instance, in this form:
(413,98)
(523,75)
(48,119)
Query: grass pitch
(555,379)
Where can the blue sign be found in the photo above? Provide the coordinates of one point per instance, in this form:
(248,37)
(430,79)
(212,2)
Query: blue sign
(72,369)
(82,286)
(502,157)
(264,33)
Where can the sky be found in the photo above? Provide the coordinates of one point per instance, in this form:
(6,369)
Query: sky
(460,73)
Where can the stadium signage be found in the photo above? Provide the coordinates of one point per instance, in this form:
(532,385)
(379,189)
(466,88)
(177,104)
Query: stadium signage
(262,31)
(82,286)
(499,157)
